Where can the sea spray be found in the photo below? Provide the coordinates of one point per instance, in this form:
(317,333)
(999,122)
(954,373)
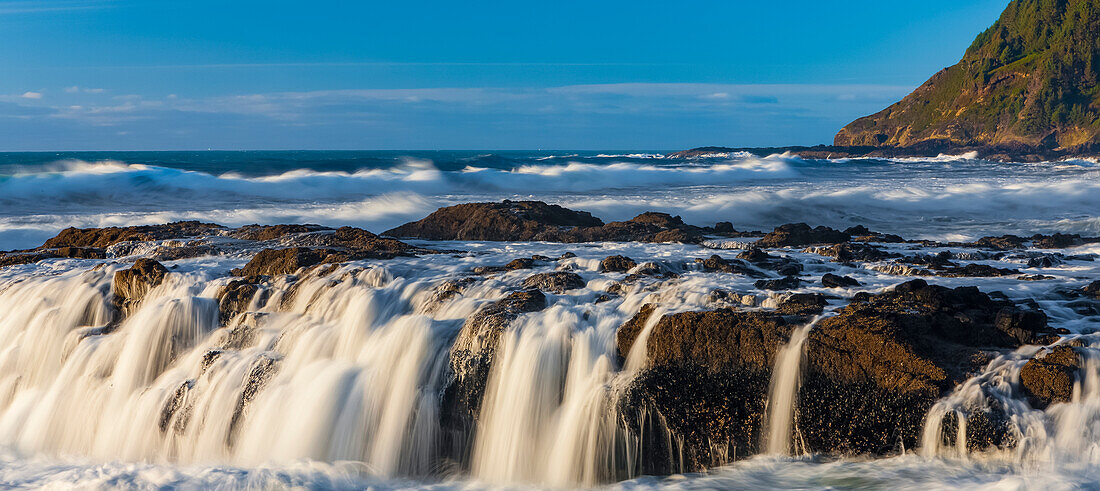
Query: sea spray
(783,391)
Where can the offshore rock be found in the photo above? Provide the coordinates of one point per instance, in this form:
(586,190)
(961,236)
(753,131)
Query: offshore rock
(800,235)
(104,237)
(507,220)
(535,220)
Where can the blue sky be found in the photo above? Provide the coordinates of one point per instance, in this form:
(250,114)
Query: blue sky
(115,75)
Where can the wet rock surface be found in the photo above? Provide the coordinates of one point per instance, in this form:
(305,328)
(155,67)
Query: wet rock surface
(800,235)
(471,358)
(104,237)
(508,220)
(1049,377)
(131,285)
(871,372)
(535,220)
(556,282)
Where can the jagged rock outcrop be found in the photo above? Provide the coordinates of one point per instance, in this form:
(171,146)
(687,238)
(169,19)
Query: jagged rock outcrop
(104,237)
(617,264)
(471,359)
(556,282)
(1028,83)
(131,285)
(507,220)
(800,235)
(829,280)
(871,372)
(535,220)
(1049,377)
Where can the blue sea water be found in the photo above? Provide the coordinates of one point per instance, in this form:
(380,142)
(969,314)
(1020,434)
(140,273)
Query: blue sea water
(945,197)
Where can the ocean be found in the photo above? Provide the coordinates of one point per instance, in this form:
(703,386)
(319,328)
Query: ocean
(166,399)
(946,197)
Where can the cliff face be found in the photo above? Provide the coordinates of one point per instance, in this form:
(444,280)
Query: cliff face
(1030,80)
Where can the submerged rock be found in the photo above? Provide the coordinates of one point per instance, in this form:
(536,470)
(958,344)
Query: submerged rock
(716,264)
(787,283)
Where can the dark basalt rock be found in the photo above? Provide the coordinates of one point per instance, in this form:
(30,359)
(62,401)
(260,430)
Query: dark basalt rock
(235,297)
(1056,241)
(557,282)
(535,220)
(508,220)
(853,251)
(265,367)
(104,237)
(1002,243)
(716,264)
(270,262)
(515,264)
(787,283)
(800,234)
(272,232)
(706,380)
(829,280)
(1048,378)
(131,285)
(802,304)
(21,257)
(871,372)
(471,360)
(32,256)
(975,271)
(1092,290)
(355,244)
(617,264)
(780,264)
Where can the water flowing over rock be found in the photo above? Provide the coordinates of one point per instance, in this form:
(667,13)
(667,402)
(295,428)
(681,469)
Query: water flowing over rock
(131,285)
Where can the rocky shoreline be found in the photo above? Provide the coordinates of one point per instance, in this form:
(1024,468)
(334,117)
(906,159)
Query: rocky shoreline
(874,364)
(1006,152)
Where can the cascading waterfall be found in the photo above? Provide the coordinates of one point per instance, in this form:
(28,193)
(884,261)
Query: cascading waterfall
(783,391)
(1062,434)
(344,367)
(549,414)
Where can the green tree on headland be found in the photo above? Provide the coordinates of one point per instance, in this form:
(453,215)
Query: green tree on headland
(1031,79)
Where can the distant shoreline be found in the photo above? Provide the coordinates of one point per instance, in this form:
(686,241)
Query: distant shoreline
(927,149)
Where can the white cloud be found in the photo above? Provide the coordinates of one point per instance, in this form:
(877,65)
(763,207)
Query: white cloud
(31,95)
(76,89)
